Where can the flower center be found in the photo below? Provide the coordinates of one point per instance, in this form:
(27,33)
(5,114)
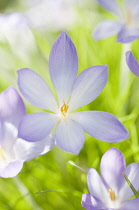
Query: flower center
(128,17)
(2,153)
(64,109)
(112,194)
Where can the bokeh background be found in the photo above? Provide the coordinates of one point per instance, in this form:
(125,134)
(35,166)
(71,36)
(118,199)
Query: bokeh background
(28,29)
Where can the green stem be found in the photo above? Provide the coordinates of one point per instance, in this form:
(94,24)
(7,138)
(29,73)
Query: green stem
(26,194)
(124,82)
(75,165)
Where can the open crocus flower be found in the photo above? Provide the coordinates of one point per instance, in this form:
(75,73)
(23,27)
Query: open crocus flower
(15,29)
(126,25)
(72,93)
(110,190)
(13,150)
(50,15)
(132,63)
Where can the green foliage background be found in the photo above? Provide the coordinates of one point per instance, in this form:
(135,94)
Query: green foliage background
(64,184)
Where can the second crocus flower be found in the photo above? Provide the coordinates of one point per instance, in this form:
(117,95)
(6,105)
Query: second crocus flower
(126,26)
(15,151)
(109,190)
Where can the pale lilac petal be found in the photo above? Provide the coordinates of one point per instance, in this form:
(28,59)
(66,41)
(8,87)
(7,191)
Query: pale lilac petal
(132,172)
(11,169)
(110,5)
(101,125)
(12,108)
(132,63)
(69,136)
(88,85)
(8,135)
(91,203)
(63,65)
(112,165)
(96,186)
(132,204)
(127,35)
(35,90)
(36,126)
(106,29)
(28,150)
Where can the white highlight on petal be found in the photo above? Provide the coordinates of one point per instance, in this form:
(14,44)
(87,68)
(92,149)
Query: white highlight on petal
(63,64)
(28,150)
(69,136)
(88,85)
(36,90)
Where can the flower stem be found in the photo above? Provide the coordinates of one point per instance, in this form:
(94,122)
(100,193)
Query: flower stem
(124,80)
(26,194)
(75,165)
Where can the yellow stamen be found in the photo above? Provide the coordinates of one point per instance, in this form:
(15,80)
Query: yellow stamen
(112,194)
(64,109)
(128,17)
(2,154)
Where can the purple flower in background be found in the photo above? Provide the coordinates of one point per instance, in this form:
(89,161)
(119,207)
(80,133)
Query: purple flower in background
(72,93)
(126,25)
(110,190)
(132,63)
(13,150)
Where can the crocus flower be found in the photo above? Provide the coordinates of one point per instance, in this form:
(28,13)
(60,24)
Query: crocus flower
(126,25)
(132,63)
(15,29)
(109,190)
(72,93)
(13,150)
(50,15)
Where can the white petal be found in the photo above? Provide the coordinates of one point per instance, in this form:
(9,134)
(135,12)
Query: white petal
(132,172)
(96,186)
(12,108)
(36,126)
(132,204)
(127,35)
(88,86)
(101,125)
(63,65)
(28,150)
(112,165)
(69,136)
(106,29)
(36,90)
(11,169)
(8,135)
(91,203)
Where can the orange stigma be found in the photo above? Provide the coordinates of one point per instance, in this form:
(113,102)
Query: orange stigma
(112,194)
(2,155)
(128,17)
(64,109)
